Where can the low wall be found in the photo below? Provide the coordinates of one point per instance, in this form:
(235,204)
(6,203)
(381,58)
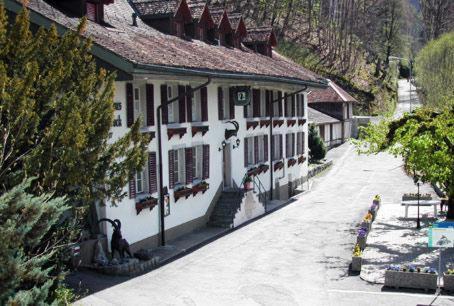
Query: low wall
(317,169)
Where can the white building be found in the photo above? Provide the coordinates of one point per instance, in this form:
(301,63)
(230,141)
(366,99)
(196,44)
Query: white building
(198,163)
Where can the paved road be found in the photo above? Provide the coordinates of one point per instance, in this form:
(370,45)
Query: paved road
(298,255)
(408,100)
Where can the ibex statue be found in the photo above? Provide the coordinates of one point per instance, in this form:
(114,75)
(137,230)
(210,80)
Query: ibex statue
(230,133)
(117,243)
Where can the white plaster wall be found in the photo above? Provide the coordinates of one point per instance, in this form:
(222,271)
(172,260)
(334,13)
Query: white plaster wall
(249,209)
(138,227)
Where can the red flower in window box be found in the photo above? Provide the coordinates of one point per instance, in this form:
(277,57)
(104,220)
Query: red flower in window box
(199,129)
(291,162)
(263,168)
(148,202)
(251,124)
(201,187)
(264,123)
(291,122)
(182,193)
(278,165)
(301,121)
(278,122)
(253,171)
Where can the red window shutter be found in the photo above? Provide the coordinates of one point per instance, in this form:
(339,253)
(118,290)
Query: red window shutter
(281,146)
(292,113)
(220,103)
(132,187)
(268,98)
(246,162)
(298,105)
(182,103)
(188,103)
(232,102)
(165,113)
(293,144)
(188,164)
(152,178)
(279,97)
(256,149)
(256,102)
(206,162)
(171,163)
(245,111)
(150,104)
(204,100)
(265,147)
(286,102)
(129,105)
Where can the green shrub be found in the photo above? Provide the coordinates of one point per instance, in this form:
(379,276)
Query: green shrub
(316,145)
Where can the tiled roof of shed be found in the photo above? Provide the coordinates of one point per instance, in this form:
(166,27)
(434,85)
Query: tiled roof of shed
(260,34)
(333,93)
(146,46)
(318,117)
(155,7)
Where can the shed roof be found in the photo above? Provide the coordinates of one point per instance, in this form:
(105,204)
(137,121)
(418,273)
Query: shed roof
(155,7)
(261,35)
(317,117)
(333,93)
(145,48)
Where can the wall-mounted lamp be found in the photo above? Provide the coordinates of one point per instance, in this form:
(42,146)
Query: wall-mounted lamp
(238,141)
(223,144)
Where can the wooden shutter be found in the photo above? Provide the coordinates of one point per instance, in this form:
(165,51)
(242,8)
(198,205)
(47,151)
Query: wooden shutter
(292,112)
(150,104)
(188,165)
(220,103)
(293,144)
(152,178)
(265,147)
(245,152)
(281,146)
(256,149)
(256,102)
(132,187)
(165,112)
(171,164)
(232,102)
(181,103)
(129,105)
(279,97)
(298,105)
(286,113)
(245,111)
(204,101)
(189,99)
(268,99)
(206,162)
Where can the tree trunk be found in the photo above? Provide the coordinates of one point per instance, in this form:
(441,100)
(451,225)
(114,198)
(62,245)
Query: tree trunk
(450,214)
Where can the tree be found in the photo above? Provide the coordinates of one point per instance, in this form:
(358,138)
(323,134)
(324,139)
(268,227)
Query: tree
(434,70)
(25,261)
(316,145)
(438,17)
(425,141)
(56,112)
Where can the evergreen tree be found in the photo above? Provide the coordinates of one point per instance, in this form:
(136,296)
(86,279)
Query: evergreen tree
(25,222)
(316,145)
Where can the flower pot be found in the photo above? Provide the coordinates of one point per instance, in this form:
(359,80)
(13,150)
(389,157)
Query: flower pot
(414,280)
(356,263)
(248,186)
(448,282)
(361,241)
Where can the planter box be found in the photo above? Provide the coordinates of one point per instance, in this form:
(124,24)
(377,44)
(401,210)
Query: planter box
(200,188)
(356,263)
(182,193)
(148,203)
(448,282)
(414,280)
(361,241)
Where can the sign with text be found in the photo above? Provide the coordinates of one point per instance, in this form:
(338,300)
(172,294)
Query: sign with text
(441,237)
(242,95)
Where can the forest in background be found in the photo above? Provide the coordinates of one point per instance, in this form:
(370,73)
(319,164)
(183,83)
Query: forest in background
(351,41)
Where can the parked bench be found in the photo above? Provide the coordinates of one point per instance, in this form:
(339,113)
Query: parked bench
(422,203)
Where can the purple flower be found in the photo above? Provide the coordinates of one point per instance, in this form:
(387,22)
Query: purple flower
(362,232)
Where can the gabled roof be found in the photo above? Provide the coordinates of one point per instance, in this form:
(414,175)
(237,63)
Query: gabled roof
(333,93)
(221,19)
(143,49)
(261,35)
(317,117)
(238,25)
(201,13)
(155,8)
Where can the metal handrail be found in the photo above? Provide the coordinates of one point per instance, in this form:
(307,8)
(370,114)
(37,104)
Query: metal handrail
(261,189)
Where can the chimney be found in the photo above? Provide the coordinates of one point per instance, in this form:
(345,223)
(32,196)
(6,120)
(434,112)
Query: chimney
(134,19)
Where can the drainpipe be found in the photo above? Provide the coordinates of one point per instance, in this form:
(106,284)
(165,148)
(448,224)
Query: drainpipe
(271,135)
(159,136)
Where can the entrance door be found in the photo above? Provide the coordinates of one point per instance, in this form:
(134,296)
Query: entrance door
(227,166)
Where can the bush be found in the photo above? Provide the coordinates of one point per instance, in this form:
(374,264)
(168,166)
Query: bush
(316,145)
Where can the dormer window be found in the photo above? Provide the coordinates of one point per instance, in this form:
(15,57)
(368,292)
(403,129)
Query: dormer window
(189,30)
(261,40)
(95,11)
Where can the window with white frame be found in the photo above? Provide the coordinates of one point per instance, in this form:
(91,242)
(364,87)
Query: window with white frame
(226,102)
(179,167)
(275,104)
(196,107)
(141,184)
(172,110)
(250,150)
(300,143)
(290,145)
(277,147)
(197,163)
(261,148)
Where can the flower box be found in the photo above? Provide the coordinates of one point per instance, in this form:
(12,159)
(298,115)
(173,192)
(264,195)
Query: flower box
(200,129)
(278,122)
(254,171)
(263,168)
(265,122)
(176,131)
(361,241)
(149,202)
(448,282)
(291,162)
(182,193)
(301,121)
(202,187)
(356,263)
(414,280)
(301,159)
(291,122)
(279,165)
(251,124)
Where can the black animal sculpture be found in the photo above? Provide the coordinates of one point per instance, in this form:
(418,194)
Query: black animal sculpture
(117,243)
(230,133)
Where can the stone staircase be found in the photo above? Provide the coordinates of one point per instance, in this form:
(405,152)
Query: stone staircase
(226,208)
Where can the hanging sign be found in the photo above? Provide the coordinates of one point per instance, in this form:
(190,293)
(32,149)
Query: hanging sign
(242,95)
(441,237)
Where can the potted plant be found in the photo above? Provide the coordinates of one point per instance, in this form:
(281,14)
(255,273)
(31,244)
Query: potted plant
(248,185)
(411,277)
(356,259)
(377,200)
(182,192)
(448,280)
(362,236)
